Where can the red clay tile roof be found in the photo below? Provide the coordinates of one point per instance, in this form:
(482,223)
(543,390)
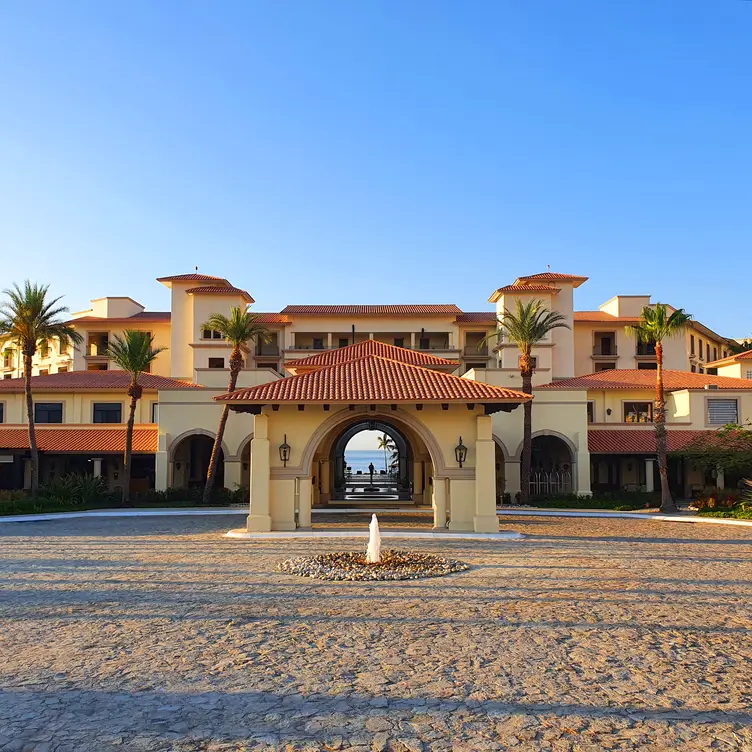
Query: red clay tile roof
(372,310)
(598,317)
(145,317)
(645,379)
(192,278)
(271,318)
(528,288)
(215,290)
(86,380)
(637,441)
(477,317)
(77,439)
(374,379)
(370,347)
(746,355)
(553,277)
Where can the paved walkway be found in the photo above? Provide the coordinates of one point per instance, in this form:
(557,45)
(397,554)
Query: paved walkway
(159,634)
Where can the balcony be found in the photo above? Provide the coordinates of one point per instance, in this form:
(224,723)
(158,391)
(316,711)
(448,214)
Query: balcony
(97,344)
(608,351)
(604,345)
(645,351)
(473,351)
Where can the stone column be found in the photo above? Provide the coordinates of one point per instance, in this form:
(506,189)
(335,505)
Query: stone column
(259,519)
(97,471)
(233,474)
(304,502)
(412,340)
(439,503)
(329,341)
(720,480)
(485,520)
(649,484)
(326,481)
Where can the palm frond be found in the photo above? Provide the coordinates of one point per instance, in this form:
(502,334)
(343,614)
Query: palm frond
(239,327)
(134,352)
(657,324)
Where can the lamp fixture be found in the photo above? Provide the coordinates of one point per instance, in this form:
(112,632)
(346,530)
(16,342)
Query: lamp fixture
(284,451)
(460,452)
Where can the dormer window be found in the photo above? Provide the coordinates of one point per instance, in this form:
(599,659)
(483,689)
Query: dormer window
(211,334)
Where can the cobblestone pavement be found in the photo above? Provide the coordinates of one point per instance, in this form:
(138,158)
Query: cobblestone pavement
(159,634)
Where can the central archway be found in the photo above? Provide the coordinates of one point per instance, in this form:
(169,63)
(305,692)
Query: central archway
(400,479)
(411,480)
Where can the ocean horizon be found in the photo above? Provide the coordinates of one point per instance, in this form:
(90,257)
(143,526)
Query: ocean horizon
(359,459)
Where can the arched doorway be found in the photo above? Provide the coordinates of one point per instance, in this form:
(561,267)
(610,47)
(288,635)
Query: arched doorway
(551,466)
(394,480)
(500,474)
(407,478)
(190,462)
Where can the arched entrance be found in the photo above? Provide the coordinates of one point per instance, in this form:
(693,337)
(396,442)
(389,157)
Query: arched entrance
(190,462)
(395,480)
(551,467)
(407,478)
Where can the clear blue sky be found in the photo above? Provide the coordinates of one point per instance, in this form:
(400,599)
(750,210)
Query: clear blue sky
(337,151)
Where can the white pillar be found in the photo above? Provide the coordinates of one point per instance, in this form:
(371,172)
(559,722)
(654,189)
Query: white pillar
(412,340)
(485,520)
(439,503)
(370,336)
(304,502)
(97,467)
(329,341)
(259,519)
(649,484)
(720,480)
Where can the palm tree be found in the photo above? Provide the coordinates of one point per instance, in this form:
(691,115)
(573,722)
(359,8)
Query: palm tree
(28,320)
(238,329)
(386,443)
(134,352)
(529,325)
(656,324)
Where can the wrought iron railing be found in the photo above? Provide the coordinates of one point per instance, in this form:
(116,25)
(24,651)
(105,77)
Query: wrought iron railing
(550,483)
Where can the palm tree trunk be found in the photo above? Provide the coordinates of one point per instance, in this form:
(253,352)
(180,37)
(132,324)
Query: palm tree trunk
(127,459)
(661,440)
(32,432)
(527,441)
(235,365)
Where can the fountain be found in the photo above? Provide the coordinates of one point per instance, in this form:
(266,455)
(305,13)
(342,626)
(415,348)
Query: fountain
(374,565)
(373,552)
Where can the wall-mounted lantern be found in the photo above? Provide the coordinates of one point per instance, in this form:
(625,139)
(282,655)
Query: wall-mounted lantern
(460,452)
(284,451)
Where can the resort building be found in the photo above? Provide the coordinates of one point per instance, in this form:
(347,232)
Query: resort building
(426,375)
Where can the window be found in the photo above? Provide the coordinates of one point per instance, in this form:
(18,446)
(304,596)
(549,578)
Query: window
(604,367)
(44,349)
(425,343)
(693,369)
(470,365)
(647,366)
(646,348)
(699,341)
(344,342)
(108,412)
(692,344)
(48,412)
(722,411)
(399,341)
(44,371)
(591,412)
(155,412)
(715,353)
(638,412)
(62,369)
(8,359)
(97,367)
(318,343)
(702,370)
(8,376)
(216,362)
(211,334)
(707,350)
(2,412)
(749,375)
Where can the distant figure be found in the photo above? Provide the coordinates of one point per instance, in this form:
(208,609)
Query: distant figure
(371,470)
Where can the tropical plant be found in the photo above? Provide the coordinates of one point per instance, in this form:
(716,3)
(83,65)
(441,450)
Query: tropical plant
(728,450)
(134,352)
(29,319)
(238,329)
(527,326)
(387,444)
(657,324)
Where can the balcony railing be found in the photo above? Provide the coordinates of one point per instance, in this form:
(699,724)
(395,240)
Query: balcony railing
(645,351)
(608,351)
(267,350)
(474,350)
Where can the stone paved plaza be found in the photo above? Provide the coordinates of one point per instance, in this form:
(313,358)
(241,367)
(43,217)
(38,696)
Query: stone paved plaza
(159,634)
